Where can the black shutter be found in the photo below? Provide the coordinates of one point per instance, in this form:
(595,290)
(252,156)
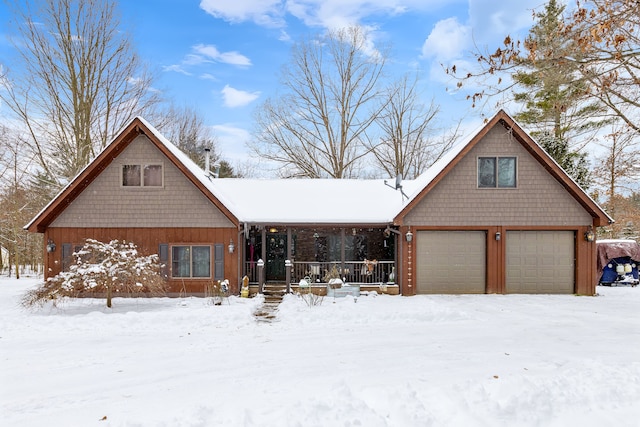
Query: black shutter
(218,261)
(163,255)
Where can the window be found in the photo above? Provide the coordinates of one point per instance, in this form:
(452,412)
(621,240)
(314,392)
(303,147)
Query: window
(497,172)
(191,261)
(142,175)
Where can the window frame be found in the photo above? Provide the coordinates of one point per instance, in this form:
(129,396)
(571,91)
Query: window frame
(142,168)
(496,172)
(176,267)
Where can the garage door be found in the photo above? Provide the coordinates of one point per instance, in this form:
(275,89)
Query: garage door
(540,262)
(451,262)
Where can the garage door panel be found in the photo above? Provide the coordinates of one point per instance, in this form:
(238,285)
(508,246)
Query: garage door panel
(451,262)
(540,262)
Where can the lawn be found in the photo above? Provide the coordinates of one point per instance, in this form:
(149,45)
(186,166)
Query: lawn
(472,360)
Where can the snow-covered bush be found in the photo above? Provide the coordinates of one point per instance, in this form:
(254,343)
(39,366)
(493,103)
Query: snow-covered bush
(103,269)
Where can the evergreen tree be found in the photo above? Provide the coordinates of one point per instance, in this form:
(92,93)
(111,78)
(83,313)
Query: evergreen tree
(554,96)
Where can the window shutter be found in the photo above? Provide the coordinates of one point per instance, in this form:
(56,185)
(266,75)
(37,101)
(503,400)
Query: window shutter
(163,255)
(218,262)
(66,256)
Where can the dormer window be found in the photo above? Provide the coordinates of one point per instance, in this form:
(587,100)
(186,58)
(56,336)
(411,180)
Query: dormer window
(497,172)
(142,175)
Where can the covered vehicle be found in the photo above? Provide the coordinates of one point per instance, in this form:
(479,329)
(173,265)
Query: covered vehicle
(618,261)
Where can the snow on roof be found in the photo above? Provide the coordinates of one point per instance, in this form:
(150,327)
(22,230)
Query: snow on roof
(312,201)
(325,201)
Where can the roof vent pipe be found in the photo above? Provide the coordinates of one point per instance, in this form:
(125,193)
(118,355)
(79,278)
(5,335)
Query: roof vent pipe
(207,152)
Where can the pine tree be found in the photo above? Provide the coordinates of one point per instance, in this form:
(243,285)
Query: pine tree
(554,97)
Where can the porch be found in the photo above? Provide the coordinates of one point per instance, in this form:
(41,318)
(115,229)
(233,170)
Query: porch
(279,257)
(369,275)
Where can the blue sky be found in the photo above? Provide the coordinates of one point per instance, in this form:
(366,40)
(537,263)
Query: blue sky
(224,56)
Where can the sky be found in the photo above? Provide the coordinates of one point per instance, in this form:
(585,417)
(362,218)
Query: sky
(224,57)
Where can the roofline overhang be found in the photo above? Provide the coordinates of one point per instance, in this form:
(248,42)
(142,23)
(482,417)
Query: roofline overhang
(85,177)
(600,217)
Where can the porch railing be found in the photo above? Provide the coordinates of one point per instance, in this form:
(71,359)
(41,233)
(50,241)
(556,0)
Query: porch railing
(320,272)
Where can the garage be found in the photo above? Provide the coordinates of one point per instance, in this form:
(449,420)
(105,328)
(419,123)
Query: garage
(541,262)
(451,262)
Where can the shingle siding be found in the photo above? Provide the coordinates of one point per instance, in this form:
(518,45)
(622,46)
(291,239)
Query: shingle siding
(538,200)
(105,203)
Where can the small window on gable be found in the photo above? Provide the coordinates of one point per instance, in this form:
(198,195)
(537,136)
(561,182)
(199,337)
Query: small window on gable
(153,175)
(497,172)
(142,175)
(131,175)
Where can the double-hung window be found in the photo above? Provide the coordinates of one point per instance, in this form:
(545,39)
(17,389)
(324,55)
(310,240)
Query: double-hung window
(497,172)
(142,175)
(191,261)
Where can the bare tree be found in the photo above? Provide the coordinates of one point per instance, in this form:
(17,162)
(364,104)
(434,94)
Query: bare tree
(18,204)
(184,127)
(316,129)
(410,141)
(76,81)
(600,52)
(618,170)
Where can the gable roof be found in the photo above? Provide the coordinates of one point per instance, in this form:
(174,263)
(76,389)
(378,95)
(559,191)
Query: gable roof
(433,175)
(309,201)
(86,176)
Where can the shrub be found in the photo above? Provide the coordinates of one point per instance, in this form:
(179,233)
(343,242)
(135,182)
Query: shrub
(109,269)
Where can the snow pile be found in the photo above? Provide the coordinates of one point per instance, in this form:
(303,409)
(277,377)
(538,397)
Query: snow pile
(473,360)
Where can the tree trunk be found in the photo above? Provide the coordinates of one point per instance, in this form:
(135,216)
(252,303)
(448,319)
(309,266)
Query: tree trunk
(17,262)
(108,296)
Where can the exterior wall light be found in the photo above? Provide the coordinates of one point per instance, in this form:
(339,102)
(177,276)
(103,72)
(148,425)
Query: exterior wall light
(589,235)
(231,247)
(498,236)
(409,236)
(51,246)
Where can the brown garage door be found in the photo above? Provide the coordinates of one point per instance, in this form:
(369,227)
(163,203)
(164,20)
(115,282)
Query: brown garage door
(451,262)
(540,262)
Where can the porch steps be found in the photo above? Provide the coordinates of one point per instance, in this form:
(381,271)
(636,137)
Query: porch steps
(274,291)
(273,294)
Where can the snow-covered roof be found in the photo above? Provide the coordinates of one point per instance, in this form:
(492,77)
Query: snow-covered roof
(301,201)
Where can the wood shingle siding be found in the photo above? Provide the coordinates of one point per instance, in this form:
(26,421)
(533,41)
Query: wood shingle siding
(106,203)
(538,200)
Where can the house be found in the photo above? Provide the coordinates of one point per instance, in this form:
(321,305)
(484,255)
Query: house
(495,215)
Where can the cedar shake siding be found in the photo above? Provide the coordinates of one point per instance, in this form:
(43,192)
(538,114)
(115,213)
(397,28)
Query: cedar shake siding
(106,203)
(535,224)
(538,200)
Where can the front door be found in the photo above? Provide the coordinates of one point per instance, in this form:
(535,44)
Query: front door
(276,255)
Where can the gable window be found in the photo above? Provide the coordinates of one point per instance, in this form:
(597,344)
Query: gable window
(191,261)
(142,175)
(497,172)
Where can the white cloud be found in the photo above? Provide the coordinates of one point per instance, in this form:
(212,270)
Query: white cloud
(263,12)
(237,98)
(489,18)
(447,40)
(211,52)
(232,141)
(284,36)
(208,76)
(176,69)
(329,14)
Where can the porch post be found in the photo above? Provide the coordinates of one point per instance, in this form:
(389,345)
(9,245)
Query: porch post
(263,256)
(342,251)
(288,267)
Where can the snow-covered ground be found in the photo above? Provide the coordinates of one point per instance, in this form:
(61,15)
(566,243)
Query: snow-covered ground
(484,360)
